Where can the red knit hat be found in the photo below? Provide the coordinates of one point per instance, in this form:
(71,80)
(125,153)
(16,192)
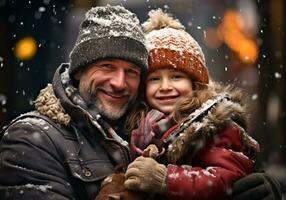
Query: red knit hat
(170,46)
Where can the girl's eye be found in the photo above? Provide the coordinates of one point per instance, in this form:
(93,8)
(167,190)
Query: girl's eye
(177,77)
(152,79)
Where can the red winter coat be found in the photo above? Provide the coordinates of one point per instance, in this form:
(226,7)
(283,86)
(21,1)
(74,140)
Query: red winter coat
(212,153)
(216,167)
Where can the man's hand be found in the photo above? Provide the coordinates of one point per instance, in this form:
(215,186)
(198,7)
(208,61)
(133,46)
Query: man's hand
(146,175)
(257,186)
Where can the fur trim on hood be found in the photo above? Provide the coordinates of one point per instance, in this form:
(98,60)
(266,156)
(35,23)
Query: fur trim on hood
(213,122)
(49,105)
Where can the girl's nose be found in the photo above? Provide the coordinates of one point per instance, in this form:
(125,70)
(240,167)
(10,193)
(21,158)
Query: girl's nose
(165,85)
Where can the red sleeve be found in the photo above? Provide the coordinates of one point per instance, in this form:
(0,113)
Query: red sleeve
(215,168)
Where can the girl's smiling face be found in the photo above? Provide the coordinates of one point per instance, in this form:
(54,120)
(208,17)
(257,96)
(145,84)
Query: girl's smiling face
(164,87)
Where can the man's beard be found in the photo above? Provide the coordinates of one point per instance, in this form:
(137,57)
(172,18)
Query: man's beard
(108,111)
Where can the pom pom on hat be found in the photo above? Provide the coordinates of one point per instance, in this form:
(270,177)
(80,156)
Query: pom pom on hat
(170,46)
(158,20)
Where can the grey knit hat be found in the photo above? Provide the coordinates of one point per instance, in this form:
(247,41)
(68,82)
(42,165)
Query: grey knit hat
(109,32)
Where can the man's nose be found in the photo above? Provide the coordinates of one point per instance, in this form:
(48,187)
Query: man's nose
(118,81)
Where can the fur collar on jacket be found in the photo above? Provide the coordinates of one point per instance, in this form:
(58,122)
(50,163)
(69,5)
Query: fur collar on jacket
(233,110)
(49,105)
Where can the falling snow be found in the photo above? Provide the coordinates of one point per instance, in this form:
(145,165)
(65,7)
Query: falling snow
(1,62)
(42,188)
(258,66)
(173,175)
(3,99)
(277,75)
(42,9)
(217,65)
(254,96)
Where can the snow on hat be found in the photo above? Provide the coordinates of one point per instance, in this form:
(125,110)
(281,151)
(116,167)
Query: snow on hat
(170,46)
(109,32)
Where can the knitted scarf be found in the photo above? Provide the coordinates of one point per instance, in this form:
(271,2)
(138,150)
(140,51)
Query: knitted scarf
(155,124)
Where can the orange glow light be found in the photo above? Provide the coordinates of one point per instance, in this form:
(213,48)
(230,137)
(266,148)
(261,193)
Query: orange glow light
(248,51)
(233,20)
(26,48)
(232,32)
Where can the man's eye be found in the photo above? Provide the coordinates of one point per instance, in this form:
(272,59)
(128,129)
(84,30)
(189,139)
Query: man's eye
(107,67)
(133,72)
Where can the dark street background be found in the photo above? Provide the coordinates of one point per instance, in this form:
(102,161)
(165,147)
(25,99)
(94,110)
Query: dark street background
(243,42)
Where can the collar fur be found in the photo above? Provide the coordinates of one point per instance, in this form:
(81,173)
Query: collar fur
(195,137)
(49,105)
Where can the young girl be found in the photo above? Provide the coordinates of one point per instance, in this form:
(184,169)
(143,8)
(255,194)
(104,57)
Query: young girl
(198,126)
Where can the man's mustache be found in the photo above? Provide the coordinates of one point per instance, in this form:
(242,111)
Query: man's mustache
(93,93)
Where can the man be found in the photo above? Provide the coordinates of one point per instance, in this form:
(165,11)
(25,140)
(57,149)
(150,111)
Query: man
(73,140)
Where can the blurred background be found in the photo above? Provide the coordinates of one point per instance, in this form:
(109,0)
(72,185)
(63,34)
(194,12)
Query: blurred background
(243,42)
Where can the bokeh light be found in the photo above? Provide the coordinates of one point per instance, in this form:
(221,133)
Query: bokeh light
(232,32)
(26,48)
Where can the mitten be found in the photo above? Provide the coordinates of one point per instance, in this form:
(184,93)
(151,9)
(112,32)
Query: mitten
(257,186)
(146,175)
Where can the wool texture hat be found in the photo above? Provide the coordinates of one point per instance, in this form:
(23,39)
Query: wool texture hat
(109,32)
(170,46)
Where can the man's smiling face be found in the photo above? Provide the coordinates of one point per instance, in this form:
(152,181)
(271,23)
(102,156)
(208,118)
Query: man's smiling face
(110,85)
